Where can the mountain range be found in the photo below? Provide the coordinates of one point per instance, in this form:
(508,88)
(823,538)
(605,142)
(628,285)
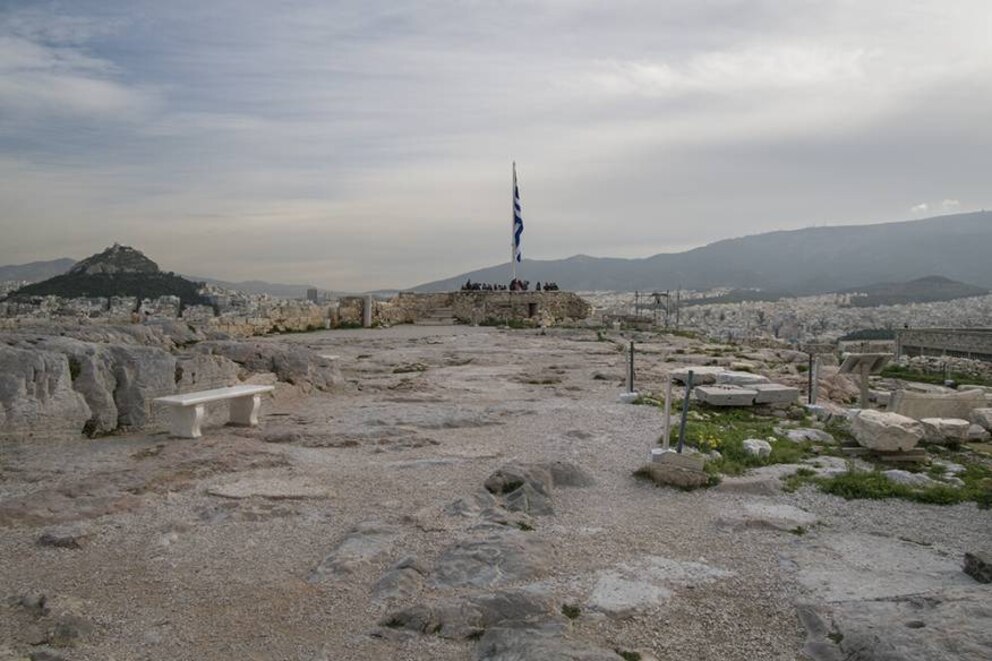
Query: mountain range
(35,271)
(922,290)
(805,261)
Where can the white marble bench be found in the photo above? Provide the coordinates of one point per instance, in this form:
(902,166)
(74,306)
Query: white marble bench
(186,411)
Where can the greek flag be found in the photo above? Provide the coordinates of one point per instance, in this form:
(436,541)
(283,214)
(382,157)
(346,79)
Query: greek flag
(518,219)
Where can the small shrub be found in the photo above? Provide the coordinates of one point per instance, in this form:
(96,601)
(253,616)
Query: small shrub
(571,611)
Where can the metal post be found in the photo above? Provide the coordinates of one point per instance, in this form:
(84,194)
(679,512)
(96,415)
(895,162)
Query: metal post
(685,412)
(668,306)
(668,415)
(864,384)
(816,380)
(810,398)
(630,369)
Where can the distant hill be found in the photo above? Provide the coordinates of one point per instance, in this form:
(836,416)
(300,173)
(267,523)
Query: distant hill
(35,271)
(922,290)
(806,261)
(117,271)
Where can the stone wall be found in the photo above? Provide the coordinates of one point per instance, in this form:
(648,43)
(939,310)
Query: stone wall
(963,343)
(470,307)
(272,316)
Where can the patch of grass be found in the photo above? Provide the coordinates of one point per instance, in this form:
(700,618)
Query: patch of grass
(629,656)
(799,478)
(835,636)
(523,525)
(875,486)
(571,611)
(802,368)
(840,431)
(725,430)
(799,530)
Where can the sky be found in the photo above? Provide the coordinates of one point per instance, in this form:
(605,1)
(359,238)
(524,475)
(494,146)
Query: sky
(368,144)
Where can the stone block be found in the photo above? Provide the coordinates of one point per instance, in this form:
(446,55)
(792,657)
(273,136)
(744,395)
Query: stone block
(726,395)
(775,393)
(689,461)
(888,432)
(978,433)
(918,405)
(628,397)
(700,375)
(730,378)
(757,447)
(982,417)
(674,475)
(941,430)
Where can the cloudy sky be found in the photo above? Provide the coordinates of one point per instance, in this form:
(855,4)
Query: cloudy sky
(368,144)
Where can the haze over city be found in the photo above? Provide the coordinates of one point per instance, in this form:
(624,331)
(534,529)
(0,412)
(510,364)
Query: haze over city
(357,145)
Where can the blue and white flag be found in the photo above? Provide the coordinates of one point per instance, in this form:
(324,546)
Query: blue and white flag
(518,219)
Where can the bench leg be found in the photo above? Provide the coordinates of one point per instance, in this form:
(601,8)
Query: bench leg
(244,410)
(185,421)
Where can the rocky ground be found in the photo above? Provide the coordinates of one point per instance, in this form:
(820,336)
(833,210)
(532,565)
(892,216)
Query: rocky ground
(467,495)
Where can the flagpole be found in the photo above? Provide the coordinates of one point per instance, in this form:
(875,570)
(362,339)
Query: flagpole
(513,225)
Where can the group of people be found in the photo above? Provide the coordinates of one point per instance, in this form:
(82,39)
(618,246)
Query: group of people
(482,286)
(515,285)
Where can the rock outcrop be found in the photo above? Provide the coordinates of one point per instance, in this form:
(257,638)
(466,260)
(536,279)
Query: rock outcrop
(36,394)
(289,362)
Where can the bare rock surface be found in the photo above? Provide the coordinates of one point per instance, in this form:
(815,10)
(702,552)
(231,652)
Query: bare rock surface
(468,617)
(645,582)
(949,624)
(402,581)
(516,644)
(854,566)
(755,513)
(289,362)
(365,542)
(495,560)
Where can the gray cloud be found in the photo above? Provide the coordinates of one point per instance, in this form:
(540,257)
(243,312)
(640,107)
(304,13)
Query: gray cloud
(360,145)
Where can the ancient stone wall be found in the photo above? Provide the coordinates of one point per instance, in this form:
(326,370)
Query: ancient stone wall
(470,307)
(963,343)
